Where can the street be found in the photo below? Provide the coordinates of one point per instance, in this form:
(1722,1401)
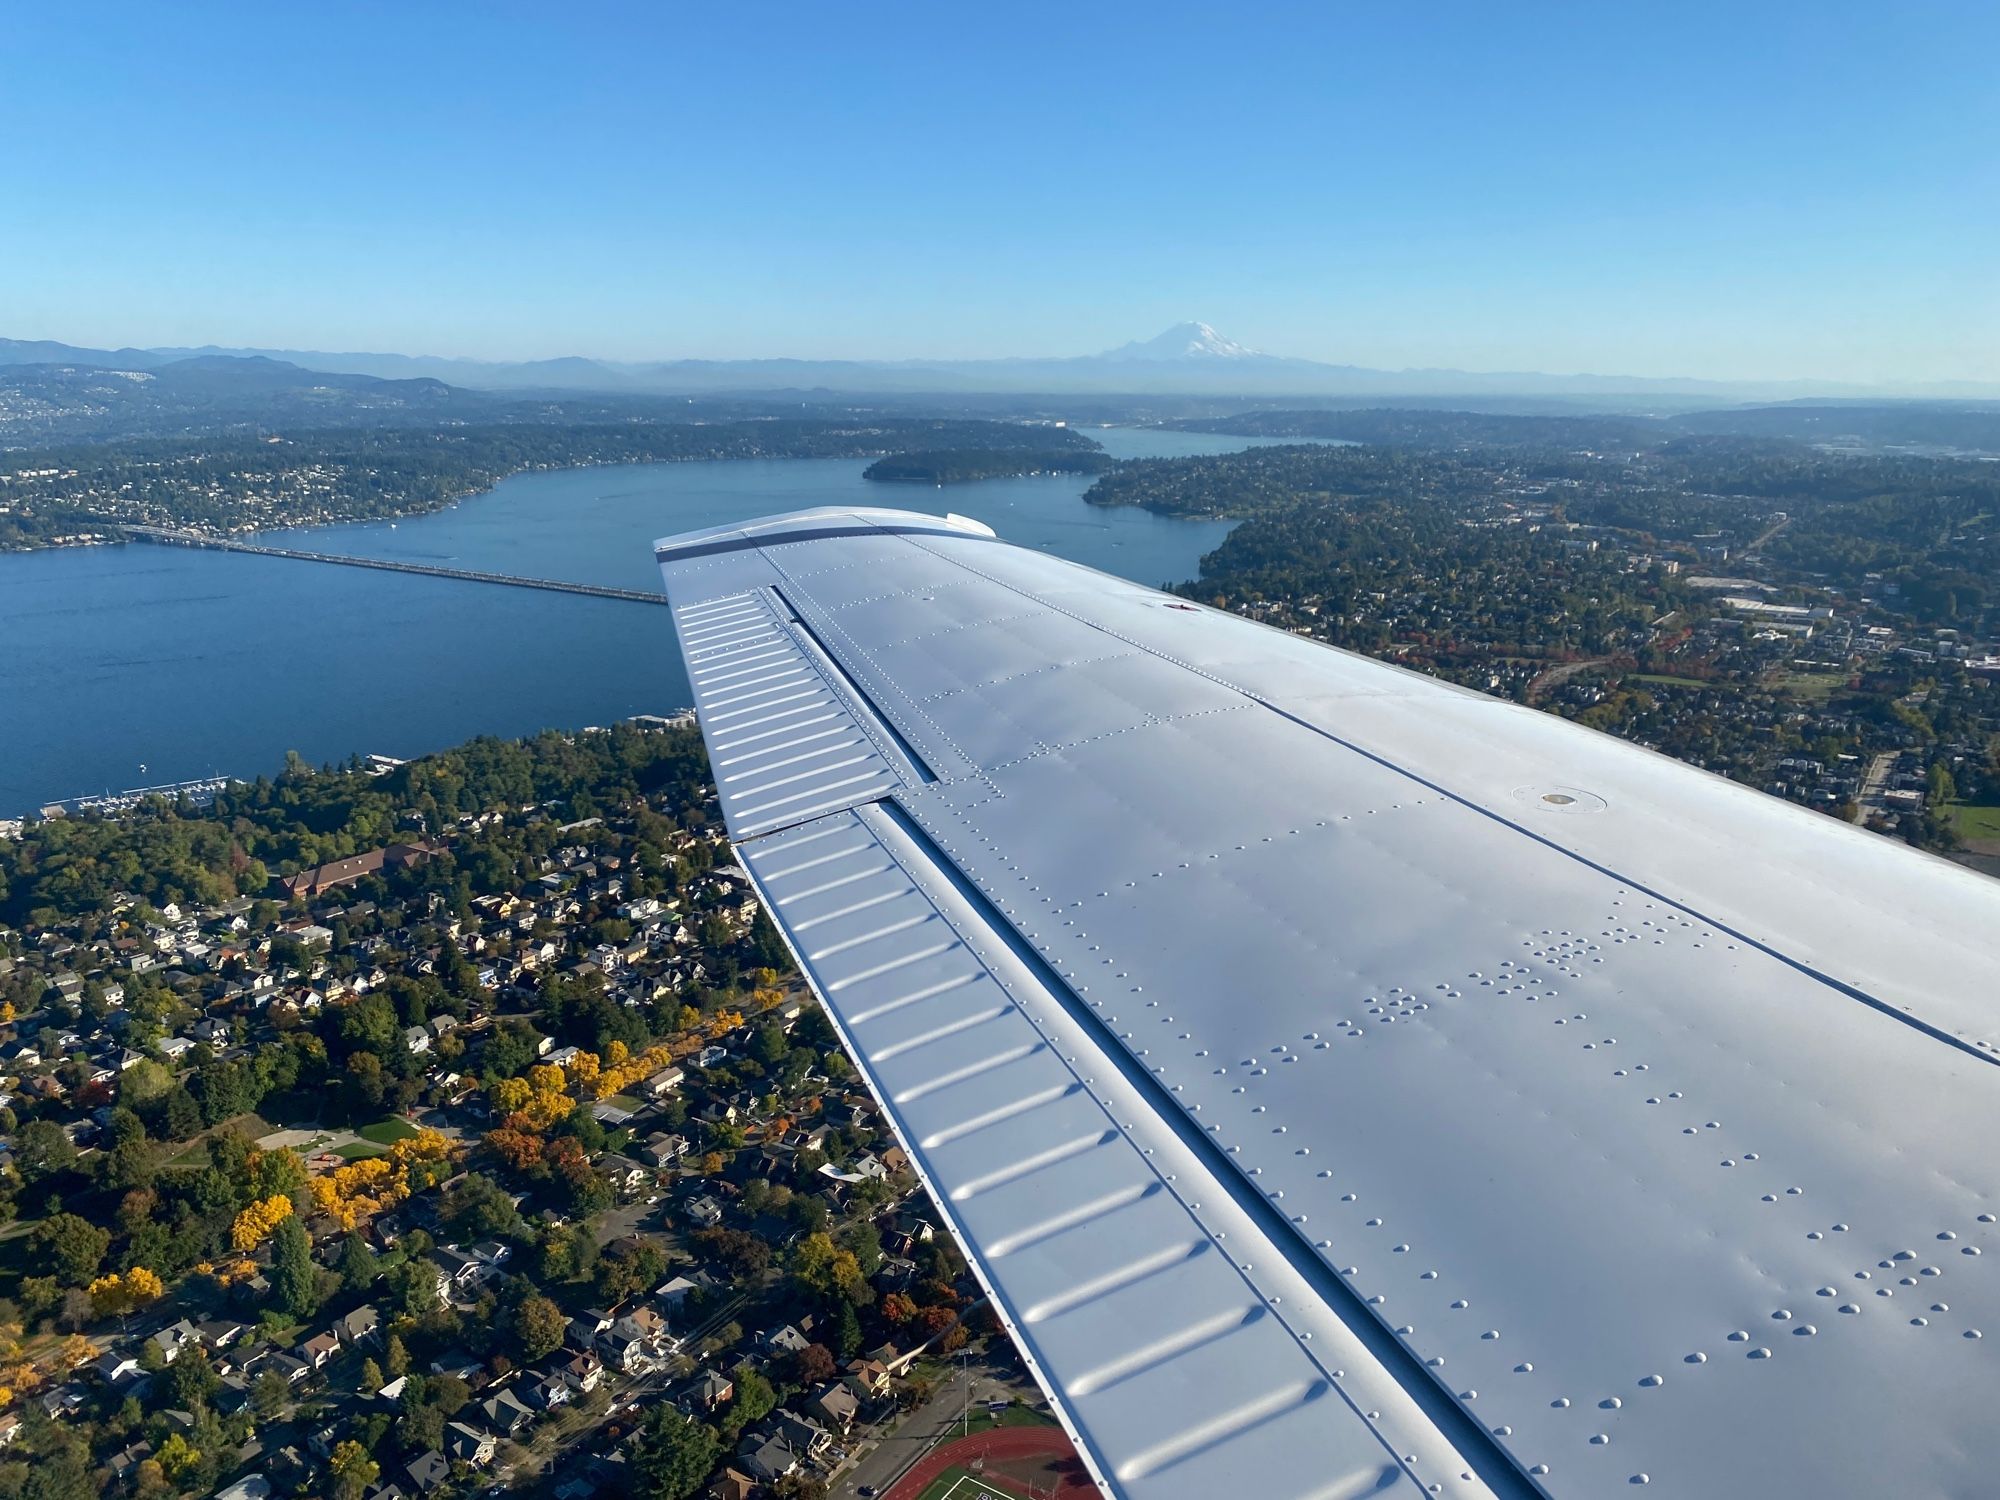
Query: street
(908,1439)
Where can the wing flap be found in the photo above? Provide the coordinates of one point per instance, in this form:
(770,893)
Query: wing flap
(1134,1307)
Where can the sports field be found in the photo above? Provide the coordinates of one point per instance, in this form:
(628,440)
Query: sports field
(1016,1463)
(960,1484)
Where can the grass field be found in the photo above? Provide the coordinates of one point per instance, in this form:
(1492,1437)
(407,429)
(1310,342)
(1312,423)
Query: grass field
(355,1150)
(387,1132)
(1976,823)
(1659,680)
(962,1484)
(1017,1416)
(981,1420)
(1814,687)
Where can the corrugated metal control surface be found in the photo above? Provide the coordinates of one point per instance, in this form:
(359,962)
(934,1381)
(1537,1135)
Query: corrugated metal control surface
(1121,1266)
(1654,1142)
(785,738)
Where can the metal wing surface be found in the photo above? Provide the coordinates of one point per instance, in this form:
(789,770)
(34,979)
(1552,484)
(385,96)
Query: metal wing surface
(1344,1083)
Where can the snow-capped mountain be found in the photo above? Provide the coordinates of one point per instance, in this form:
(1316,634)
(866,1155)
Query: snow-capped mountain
(1183,341)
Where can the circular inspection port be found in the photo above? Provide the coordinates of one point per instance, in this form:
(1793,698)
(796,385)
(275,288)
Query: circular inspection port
(1559,799)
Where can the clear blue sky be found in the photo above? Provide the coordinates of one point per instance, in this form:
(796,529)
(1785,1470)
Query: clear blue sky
(1777,188)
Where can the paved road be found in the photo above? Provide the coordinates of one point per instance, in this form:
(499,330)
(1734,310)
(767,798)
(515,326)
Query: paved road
(901,1443)
(1870,799)
(1552,678)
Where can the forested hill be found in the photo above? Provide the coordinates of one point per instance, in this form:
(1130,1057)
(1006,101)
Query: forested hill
(304,817)
(955,466)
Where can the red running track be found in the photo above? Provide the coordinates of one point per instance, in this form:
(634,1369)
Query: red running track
(1020,1458)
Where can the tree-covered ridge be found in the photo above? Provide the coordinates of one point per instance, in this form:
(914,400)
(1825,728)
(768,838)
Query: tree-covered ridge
(308,478)
(1938,425)
(956,466)
(303,817)
(1425,427)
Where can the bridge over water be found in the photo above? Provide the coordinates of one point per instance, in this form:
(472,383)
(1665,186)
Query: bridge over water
(161,536)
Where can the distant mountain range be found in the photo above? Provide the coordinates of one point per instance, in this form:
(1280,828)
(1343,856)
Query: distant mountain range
(1188,359)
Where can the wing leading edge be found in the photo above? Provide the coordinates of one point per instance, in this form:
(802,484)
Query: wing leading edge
(1347,1080)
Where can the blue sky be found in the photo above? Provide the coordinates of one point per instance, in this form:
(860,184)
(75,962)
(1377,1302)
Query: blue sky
(1776,189)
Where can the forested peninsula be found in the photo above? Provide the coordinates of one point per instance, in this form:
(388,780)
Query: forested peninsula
(956,466)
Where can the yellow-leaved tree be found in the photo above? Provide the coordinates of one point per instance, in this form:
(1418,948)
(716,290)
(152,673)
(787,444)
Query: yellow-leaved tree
(257,1222)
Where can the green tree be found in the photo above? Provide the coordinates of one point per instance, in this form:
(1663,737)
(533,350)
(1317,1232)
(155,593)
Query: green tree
(479,1208)
(143,1082)
(69,1248)
(294,1277)
(396,1358)
(42,1149)
(129,1164)
(38,1297)
(769,1044)
(179,1115)
(449,1394)
(538,1327)
(846,1330)
(674,1454)
(754,1399)
(62,1475)
(193,1379)
(421,1428)
(1941,786)
(357,1264)
(629,1266)
(269,1393)
(278,1173)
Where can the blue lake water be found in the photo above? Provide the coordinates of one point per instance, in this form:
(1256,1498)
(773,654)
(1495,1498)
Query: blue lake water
(136,665)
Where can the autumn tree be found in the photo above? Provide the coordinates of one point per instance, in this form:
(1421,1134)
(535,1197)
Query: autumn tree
(176,1456)
(354,1472)
(824,1269)
(257,1222)
(812,1365)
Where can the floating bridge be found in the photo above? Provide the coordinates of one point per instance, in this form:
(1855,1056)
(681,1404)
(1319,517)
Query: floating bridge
(161,536)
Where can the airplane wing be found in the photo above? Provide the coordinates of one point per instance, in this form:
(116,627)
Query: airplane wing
(1345,1083)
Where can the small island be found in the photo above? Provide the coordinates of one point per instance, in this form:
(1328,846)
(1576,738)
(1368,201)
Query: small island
(957,465)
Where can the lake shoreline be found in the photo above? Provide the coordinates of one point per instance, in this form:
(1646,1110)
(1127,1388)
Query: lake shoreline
(199,663)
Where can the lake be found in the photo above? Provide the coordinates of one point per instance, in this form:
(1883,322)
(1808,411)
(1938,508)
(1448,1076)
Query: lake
(136,665)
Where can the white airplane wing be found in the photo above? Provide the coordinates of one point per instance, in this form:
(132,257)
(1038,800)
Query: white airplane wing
(1344,1083)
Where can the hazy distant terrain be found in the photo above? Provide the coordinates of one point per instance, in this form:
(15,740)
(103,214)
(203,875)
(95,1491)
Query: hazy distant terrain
(1944,427)
(1188,359)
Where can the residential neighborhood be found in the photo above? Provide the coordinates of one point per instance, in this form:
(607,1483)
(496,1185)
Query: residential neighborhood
(509,1153)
